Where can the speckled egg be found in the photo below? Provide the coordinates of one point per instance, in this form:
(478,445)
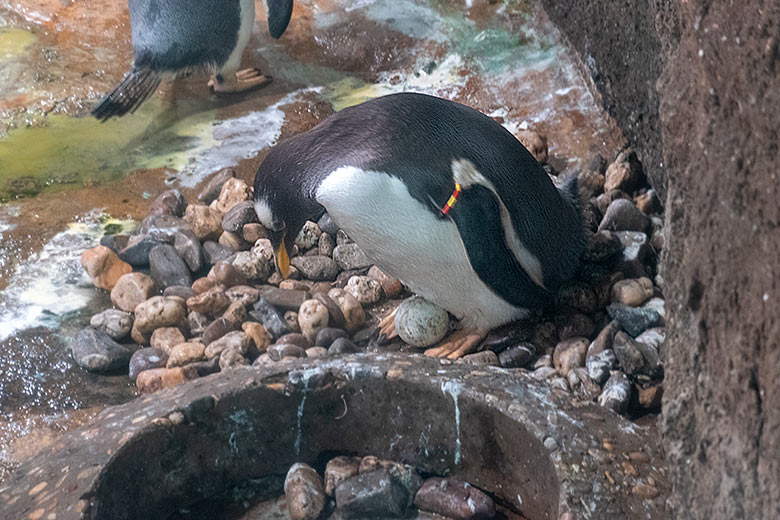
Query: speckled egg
(420,323)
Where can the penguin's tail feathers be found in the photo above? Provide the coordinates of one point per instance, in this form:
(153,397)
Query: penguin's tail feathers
(128,95)
(570,190)
(576,197)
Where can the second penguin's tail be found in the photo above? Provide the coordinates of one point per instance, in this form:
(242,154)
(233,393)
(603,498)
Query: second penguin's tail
(127,96)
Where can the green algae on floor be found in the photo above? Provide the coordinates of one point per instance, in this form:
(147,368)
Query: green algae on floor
(14,42)
(82,151)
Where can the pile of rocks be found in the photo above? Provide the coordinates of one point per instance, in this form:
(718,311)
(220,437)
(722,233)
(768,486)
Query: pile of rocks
(195,291)
(609,319)
(367,487)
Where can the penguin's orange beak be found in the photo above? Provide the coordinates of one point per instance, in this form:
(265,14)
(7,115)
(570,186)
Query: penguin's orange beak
(282,260)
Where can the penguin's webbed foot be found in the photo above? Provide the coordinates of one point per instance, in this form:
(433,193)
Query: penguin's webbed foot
(242,81)
(387,326)
(457,344)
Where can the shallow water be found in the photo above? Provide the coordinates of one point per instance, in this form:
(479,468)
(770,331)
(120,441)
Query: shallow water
(66,176)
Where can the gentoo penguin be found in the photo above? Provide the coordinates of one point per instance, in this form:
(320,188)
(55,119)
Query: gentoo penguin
(436,194)
(173,37)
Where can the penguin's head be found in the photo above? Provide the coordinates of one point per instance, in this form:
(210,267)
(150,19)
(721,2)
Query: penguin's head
(279,14)
(283,207)
(277,234)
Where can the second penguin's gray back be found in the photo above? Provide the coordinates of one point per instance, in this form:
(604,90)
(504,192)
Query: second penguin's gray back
(174,35)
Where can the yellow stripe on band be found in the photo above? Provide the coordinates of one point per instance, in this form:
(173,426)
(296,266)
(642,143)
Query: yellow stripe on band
(452,200)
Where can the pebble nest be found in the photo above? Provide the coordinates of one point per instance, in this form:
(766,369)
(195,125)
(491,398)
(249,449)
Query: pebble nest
(195,292)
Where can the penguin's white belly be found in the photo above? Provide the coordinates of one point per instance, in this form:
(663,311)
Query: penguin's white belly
(244,32)
(409,242)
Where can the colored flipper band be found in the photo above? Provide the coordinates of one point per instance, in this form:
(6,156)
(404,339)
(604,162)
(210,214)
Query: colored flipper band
(453,199)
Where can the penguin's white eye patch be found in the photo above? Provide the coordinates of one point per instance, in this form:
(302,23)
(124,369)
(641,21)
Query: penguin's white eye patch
(264,214)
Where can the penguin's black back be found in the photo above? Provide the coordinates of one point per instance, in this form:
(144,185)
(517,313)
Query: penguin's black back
(175,35)
(416,137)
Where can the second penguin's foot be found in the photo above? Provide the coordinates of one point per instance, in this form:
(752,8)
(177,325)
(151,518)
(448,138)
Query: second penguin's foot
(242,81)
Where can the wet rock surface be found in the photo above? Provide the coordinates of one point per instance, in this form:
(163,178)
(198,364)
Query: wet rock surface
(614,448)
(97,352)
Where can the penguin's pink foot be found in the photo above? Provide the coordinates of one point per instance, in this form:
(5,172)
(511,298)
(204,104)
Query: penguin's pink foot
(457,344)
(242,81)
(387,326)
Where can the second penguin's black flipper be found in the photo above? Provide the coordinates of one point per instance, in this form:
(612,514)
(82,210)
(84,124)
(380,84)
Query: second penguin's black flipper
(279,14)
(477,215)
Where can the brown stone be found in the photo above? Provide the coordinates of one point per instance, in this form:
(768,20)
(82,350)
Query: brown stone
(245,294)
(258,334)
(236,340)
(336,316)
(211,303)
(570,354)
(253,232)
(534,142)
(132,289)
(312,317)
(650,398)
(648,202)
(186,353)
(233,241)
(230,358)
(205,222)
(624,174)
(304,492)
(204,284)
(235,313)
(233,191)
(391,286)
(338,470)
(155,379)
(165,338)
(633,292)
(294,285)
(570,325)
(213,187)
(454,498)
(104,267)
(354,315)
(157,312)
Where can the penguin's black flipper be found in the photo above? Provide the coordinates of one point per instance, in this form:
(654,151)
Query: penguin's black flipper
(279,14)
(477,215)
(127,96)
